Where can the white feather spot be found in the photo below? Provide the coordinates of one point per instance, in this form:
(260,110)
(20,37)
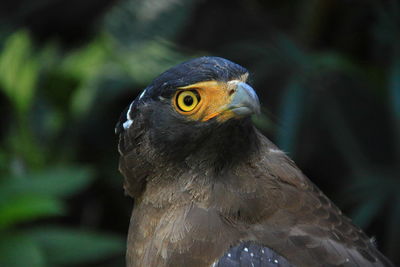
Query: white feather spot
(246,249)
(234,82)
(129,121)
(127,124)
(252,254)
(128,113)
(142,94)
(273,150)
(276,261)
(229,255)
(262,251)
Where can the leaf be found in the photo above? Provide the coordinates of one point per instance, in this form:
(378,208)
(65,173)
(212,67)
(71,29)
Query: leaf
(333,61)
(21,208)
(38,195)
(149,59)
(24,87)
(18,250)
(290,116)
(139,66)
(86,62)
(70,246)
(18,71)
(364,214)
(60,181)
(134,21)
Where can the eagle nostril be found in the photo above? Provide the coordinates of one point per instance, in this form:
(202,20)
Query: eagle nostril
(231,92)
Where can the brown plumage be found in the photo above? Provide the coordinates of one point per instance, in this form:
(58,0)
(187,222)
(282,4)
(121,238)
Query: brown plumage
(202,187)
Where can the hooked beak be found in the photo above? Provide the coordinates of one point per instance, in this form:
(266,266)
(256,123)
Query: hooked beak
(241,102)
(245,101)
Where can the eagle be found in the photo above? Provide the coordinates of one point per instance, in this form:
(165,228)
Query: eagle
(210,190)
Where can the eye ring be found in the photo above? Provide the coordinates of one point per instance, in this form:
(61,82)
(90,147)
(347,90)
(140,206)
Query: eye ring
(187,100)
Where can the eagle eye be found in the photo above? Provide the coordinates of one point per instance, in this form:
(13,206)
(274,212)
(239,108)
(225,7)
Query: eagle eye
(187,100)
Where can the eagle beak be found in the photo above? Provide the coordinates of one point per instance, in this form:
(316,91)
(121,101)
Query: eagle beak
(244,101)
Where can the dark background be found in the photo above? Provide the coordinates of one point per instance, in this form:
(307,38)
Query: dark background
(327,73)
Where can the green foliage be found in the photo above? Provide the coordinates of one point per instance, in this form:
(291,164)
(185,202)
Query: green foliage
(18,249)
(18,71)
(34,182)
(53,96)
(139,21)
(291,110)
(62,246)
(39,194)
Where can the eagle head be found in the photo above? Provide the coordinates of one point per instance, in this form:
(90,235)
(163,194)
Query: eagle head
(199,109)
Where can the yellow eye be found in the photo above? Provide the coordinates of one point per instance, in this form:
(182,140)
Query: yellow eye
(187,100)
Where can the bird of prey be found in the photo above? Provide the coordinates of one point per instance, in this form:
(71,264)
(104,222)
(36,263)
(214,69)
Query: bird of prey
(210,190)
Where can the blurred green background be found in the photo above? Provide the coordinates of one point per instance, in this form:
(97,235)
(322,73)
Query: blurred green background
(327,73)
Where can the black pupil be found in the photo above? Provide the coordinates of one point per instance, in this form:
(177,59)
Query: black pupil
(188,100)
